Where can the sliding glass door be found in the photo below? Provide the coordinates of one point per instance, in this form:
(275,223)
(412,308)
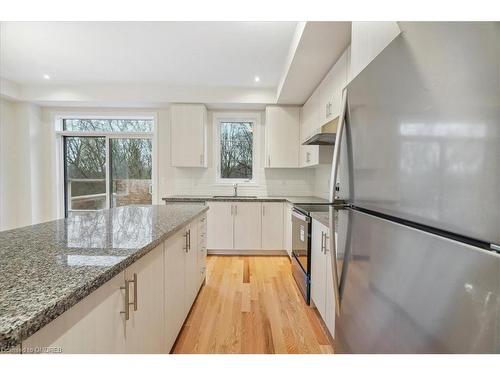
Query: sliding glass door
(130,172)
(107,163)
(85,173)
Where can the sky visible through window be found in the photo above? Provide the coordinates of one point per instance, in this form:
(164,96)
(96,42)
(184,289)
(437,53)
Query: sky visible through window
(236,150)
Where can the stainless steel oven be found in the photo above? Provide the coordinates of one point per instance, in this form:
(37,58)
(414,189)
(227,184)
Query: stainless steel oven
(301,251)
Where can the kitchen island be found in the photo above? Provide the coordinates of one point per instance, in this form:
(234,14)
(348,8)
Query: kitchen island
(50,271)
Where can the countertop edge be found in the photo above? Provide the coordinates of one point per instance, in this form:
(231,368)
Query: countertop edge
(55,310)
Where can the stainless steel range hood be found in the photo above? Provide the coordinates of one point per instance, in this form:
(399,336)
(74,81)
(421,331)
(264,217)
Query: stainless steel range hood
(325,135)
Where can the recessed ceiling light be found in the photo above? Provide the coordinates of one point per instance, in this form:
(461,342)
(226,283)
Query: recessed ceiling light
(46,76)
(257,79)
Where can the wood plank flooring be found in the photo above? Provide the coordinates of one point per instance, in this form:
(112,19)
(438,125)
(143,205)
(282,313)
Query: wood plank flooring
(251,304)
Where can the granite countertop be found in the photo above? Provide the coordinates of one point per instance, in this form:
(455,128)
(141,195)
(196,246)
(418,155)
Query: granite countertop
(322,217)
(205,198)
(47,268)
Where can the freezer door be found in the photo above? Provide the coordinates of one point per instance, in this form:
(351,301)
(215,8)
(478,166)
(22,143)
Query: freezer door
(407,291)
(424,123)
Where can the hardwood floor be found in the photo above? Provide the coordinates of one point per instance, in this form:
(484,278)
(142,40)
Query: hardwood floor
(251,304)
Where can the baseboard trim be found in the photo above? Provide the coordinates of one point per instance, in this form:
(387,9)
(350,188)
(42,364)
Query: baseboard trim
(246,252)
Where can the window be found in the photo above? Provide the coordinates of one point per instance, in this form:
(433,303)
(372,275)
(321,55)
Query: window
(236,151)
(107,163)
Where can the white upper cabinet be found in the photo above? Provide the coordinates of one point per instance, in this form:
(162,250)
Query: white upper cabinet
(188,142)
(282,137)
(330,90)
(310,120)
(368,39)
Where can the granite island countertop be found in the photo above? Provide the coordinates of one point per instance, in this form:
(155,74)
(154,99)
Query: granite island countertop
(229,198)
(322,217)
(47,268)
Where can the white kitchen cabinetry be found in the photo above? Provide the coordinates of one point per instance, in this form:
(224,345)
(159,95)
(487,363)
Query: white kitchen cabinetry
(175,287)
(160,288)
(202,249)
(93,325)
(310,117)
(330,90)
(247,226)
(191,271)
(272,225)
(321,275)
(287,228)
(188,143)
(368,39)
(220,223)
(144,329)
(282,137)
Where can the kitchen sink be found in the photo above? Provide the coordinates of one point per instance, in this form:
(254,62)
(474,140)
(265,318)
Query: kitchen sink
(232,196)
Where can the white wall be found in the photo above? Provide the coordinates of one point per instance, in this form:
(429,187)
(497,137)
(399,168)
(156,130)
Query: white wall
(29,191)
(271,182)
(21,164)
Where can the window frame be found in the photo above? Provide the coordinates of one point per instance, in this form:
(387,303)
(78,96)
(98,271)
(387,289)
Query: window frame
(255,119)
(60,133)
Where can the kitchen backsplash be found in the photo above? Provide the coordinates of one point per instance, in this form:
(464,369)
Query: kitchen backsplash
(270,182)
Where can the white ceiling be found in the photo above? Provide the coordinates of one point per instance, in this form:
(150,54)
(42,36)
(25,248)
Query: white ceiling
(228,54)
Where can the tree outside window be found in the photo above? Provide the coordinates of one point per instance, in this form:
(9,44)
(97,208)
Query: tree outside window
(236,150)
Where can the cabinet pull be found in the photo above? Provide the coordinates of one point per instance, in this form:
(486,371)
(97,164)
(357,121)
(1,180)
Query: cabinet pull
(186,248)
(322,242)
(189,239)
(326,241)
(127,302)
(236,209)
(135,290)
(201,159)
(263,210)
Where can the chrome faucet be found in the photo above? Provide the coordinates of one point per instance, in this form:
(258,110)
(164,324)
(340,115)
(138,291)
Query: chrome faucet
(235,187)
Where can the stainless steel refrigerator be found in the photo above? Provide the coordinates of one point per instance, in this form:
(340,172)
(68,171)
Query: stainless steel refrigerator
(417,265)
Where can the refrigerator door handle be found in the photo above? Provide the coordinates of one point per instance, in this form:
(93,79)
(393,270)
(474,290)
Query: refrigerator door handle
(333,199)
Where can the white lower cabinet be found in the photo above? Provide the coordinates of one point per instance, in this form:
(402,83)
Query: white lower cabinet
(144,329)
(175,287)
(247,226)
(272,226)
(157,291)
(202,249)
(93,325)
(220,225)
(242,226)
(191,272)
(321,275)
(287,228)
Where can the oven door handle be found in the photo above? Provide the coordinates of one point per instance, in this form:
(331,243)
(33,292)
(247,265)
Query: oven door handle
(301,216)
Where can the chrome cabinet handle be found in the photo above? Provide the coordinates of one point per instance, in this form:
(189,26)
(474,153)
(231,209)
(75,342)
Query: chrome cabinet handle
(189,237)
(134,280)
(127,302)
(201,159)
(263,209)
(322,242)
(326,239)
(186,248)
(268,160)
